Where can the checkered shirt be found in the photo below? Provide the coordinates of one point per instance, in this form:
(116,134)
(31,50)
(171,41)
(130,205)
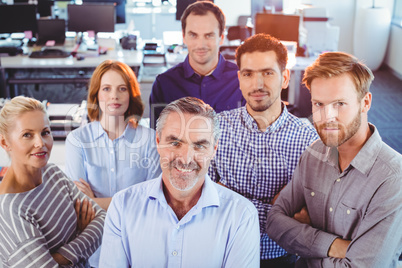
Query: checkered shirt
(259,164)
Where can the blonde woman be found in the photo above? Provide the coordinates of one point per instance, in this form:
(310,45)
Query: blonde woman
(38,224)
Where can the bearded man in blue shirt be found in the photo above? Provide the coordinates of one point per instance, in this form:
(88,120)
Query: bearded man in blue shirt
(261,142)
(204,74)
(182,218)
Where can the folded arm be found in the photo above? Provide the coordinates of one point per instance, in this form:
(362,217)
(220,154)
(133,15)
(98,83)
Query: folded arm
(87,241)
(381,219)
(283,224)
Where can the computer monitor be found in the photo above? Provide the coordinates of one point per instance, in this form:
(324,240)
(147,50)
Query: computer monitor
(97,17)
(51,30)
(181,5)
(45,8)
(18,18)
(120,8)
(284,27)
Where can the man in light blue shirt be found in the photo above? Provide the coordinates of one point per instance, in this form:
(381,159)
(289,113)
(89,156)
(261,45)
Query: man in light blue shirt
(182,218)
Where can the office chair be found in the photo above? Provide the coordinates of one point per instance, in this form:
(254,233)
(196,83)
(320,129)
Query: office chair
(238,33)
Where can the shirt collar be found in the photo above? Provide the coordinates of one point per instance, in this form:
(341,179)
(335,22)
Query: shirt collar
(209,195)
(99,132)
(365,158)
(188,70)
(278,123)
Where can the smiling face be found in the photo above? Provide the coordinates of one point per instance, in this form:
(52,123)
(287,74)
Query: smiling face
(186,147)
(29,141)
(113,94)
(203,40)
(337,110)
(261,80)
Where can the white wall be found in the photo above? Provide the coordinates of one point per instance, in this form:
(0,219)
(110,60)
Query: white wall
(393,57)
(342,14)
(233,9)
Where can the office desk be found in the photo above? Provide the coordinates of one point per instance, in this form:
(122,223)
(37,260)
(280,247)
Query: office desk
(18,70)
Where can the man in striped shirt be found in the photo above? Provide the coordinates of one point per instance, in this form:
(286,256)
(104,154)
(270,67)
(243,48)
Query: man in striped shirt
(261,142)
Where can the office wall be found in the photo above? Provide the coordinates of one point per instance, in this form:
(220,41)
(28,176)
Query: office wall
(393,57)
(394,53)
(233,9)
(342,14)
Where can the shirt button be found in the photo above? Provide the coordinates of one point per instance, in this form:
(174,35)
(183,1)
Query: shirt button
(338,180)
(174,253)
(111,152)
(348,211)
(178,227)
(312,194)
(112,169)
(330,209)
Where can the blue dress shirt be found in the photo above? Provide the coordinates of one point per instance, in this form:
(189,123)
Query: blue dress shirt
(141,230)
(259,164)
(110,166)
(220,89)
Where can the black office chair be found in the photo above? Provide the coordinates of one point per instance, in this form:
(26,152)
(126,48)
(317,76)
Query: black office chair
(238,33)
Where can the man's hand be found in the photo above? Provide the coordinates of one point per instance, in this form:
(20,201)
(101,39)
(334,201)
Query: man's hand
(60,259)
(274,199)
(85,188)
(85,213)
(302,216)
(222,184)
(338,248)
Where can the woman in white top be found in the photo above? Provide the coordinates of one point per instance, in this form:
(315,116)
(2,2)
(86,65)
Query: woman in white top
(112,152)
(39,226)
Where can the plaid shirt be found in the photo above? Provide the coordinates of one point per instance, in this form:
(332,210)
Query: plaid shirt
(259,164)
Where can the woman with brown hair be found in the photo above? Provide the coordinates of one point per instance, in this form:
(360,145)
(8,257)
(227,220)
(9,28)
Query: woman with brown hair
(112,152)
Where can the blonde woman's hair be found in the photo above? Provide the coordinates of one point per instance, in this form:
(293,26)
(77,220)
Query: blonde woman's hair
(15,108)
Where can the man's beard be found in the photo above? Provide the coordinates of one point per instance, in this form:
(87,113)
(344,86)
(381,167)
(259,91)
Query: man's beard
(261,107)
(344,133)
(184,182)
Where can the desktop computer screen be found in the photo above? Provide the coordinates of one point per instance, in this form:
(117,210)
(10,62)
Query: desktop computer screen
(284,27)
(51,29)
(97,17)
(18,18)
(120,8)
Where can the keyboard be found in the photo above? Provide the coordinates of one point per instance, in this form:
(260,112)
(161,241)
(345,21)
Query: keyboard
(49,54)
(12,47)
(10,43)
